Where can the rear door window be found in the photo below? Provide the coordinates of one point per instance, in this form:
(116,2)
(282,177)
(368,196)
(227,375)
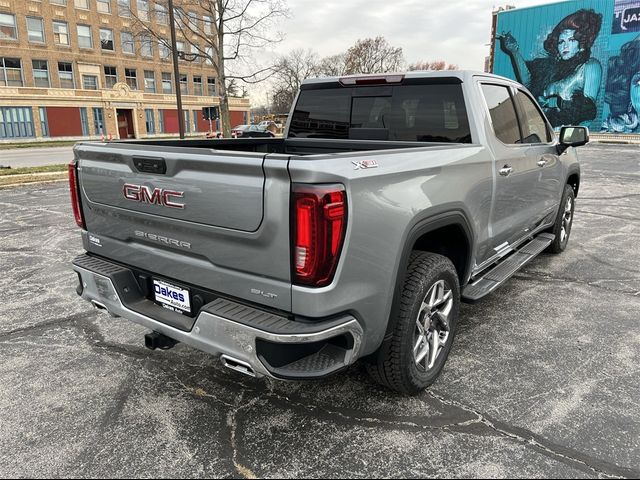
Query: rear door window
(412,113)
(502,112)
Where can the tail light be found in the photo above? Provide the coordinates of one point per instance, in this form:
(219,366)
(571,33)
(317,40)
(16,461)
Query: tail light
(74,188)
(319,220)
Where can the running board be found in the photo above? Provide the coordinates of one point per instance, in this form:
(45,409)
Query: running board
(504,270)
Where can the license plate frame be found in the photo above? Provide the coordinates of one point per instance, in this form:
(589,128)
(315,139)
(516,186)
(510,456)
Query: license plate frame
(171,296)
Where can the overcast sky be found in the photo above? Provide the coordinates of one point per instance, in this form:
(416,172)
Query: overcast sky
(456,31)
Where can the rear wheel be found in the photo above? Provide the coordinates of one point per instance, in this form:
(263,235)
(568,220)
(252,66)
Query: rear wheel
(423,327)
(564,221)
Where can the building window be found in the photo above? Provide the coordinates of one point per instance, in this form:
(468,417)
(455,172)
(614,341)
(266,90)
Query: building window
(11,72)
(35,29)
(146,46)
(180,47)
(149,81)
(98,121)
(84,120)
(195,121)
(195,50)
(61,33)
(16,122)
(89,82)
(165,52)
(194,21)
(187,123)
(211,87)
(162,16)
(82,4)
(44,122)
(180,18)
(184,86)
(40,74)
(85,39)
(106,39)
(58,2)
(167,86)
(197,86)
(131,77)
(151,124)
(127,43)
(124,8)
(160,121)
(65,73)
(110,76)
(143,10)
(208,25)
(8,30)
(104,6)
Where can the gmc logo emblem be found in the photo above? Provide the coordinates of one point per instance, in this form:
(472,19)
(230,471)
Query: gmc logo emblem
(158,196)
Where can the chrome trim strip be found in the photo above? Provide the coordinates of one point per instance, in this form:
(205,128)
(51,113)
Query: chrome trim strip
(483,266)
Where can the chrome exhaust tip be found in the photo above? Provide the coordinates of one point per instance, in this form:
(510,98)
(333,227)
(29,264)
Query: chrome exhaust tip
(98,305)
(238,366)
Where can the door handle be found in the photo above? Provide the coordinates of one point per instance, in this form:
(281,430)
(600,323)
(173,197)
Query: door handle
(542,162)
(506,170)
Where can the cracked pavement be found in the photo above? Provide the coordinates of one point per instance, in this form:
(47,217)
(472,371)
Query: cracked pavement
(543,380)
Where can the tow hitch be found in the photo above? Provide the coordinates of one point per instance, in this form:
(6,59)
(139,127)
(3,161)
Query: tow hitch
(155,340)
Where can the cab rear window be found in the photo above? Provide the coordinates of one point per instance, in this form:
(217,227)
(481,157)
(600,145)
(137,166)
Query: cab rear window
(412,113)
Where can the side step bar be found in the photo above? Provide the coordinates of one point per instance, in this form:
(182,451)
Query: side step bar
(503,271)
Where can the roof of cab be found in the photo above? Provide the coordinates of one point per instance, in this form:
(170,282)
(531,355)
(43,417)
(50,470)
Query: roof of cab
(463,75)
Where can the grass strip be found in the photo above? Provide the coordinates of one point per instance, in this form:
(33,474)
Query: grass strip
(62,167)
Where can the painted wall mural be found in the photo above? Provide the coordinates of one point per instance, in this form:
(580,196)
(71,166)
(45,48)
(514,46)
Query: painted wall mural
(580,59)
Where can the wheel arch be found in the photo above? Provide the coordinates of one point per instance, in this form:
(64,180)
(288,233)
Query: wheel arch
(448,230)
(573,179)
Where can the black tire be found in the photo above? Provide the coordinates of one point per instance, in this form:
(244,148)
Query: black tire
(559,244)
(395,364)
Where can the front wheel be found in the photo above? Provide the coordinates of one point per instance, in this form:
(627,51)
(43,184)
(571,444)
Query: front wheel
(422,329)
(564,221)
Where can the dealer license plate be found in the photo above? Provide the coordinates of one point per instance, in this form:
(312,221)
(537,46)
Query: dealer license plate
(171,296)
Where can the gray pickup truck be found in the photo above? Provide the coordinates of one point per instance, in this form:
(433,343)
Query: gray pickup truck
(390,200)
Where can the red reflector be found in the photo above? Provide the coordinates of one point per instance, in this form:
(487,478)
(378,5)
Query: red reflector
(75,195)
(320,220)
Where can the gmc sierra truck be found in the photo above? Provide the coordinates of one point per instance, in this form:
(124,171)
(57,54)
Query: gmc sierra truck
(390,199)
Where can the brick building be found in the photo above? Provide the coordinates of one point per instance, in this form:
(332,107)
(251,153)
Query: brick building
(72,69)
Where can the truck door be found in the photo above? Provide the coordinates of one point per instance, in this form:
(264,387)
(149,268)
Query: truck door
(541,150)
(515,171)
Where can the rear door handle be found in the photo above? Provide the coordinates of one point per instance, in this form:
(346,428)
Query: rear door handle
(542,162)
(506,170)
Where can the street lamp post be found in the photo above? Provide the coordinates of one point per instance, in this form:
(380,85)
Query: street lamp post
(176,69)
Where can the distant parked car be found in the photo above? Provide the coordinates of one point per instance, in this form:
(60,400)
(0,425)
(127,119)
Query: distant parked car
(248,131)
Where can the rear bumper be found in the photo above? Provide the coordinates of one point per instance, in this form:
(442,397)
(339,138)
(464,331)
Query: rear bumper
(247,339)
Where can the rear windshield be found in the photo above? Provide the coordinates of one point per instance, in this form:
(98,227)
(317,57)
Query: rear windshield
(412,113)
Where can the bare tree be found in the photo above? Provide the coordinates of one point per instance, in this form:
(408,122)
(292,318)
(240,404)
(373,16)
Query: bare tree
(333,66)
(437,65)
(290,71)
(373,55)
(229,31)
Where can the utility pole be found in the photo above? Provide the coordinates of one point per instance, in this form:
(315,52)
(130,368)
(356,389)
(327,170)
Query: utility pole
(176,69)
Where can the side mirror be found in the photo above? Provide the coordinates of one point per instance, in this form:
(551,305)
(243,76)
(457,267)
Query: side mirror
(573,137)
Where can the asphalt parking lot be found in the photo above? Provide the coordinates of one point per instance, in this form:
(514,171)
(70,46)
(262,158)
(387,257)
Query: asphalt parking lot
(543,381)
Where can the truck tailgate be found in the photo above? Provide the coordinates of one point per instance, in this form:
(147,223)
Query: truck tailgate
(200,216)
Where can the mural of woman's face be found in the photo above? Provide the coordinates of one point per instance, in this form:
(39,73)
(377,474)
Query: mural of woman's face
(568,46)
